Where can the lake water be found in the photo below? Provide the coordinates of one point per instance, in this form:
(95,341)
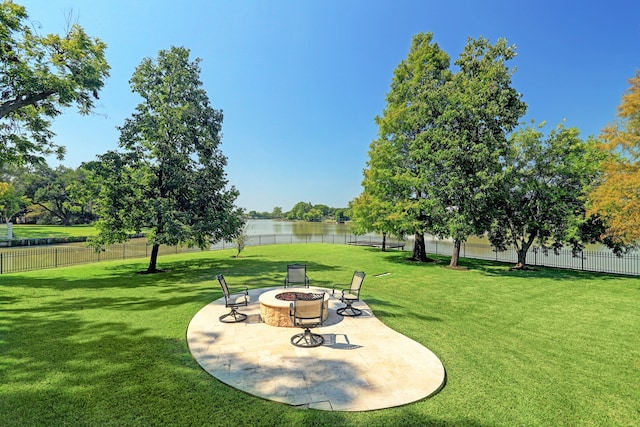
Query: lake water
(266,232)
(594,258)
(297,228)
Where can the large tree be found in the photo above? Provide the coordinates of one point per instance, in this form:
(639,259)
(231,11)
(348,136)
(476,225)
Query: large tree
(171,175)
(544,182)
(299,210)
(395,197)
(58,192)
(39,75)
(441,139)
(617,197)
(471,139)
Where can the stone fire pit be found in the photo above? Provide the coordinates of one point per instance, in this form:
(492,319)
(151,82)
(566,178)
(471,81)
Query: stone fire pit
(274,305)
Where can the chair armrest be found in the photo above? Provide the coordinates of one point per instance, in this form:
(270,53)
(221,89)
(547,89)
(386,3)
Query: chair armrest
(238,291)
(349,292)
(338,288)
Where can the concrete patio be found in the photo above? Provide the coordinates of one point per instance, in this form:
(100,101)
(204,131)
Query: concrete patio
(363,364)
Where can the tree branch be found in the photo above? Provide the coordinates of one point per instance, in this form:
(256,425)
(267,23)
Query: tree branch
(8,107)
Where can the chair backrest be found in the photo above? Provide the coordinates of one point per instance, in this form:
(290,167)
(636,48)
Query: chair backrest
(308,308)
(223,285)
(296,273)
(356,282)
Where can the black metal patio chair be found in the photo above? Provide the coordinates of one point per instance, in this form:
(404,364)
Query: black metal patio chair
(351,295)
(296,275)
(306,311)
(233,301)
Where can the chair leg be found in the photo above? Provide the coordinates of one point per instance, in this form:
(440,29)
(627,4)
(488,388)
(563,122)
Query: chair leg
(237,317)
(307,339)
(349,310)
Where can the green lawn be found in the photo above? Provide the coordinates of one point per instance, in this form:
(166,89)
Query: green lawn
(101,345)
(29,231)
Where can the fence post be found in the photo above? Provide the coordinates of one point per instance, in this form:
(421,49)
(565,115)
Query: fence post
(1,262)
(55,258)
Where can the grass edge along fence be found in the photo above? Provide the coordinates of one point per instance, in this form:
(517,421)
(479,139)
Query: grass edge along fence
(14,260)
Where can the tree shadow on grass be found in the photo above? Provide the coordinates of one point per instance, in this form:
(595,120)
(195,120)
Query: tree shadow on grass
(404,258)
(88,357)
(117,287)
(253,272)
(68,370)
(502,269)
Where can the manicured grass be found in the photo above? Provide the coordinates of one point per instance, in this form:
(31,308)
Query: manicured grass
(101,345)
(29,231)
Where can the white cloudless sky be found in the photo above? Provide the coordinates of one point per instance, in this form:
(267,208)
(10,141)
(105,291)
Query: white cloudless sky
(300,82)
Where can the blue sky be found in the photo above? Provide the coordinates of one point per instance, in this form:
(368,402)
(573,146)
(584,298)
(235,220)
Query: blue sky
(300,82)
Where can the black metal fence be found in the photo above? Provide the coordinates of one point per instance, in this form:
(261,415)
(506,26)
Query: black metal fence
(15,260)
(18,259)
(596,261)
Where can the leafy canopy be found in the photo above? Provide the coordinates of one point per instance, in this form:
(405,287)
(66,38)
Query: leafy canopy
(171,176)
(394,186)
(544,182)
(441,137)
(39,75)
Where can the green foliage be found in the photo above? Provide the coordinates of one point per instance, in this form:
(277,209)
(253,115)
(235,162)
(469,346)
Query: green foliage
(298,210)
(11,203)
(99,345)
(277,213)
(314,215)
(341,215)
(241,240)
(544,182)
(464,158)
(171,176)
(308,212)
(39,75)
(64,193)
(433,167)
(259,215)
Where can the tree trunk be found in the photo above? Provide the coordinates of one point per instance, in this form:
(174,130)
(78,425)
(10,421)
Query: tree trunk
(154,259)
(455,257)
(522,255)
(384,242)
(419,248)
